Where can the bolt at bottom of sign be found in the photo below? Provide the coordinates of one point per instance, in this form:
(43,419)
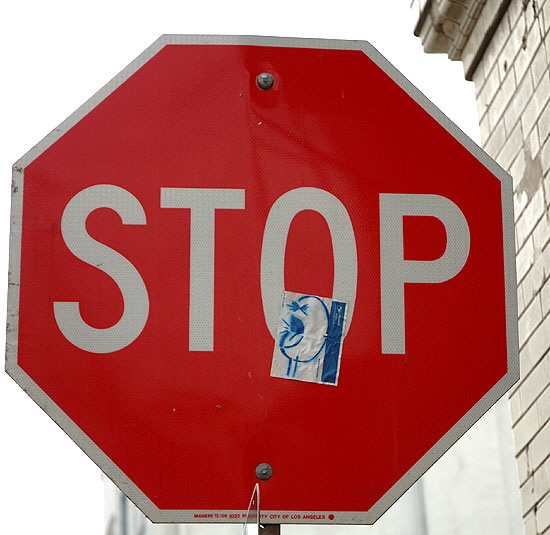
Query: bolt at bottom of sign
(264,471)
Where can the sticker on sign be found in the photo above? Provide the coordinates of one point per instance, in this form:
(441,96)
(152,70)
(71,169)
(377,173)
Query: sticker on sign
(309,339)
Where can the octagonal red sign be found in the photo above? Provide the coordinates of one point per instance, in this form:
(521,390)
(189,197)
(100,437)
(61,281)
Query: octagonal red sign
(253,250)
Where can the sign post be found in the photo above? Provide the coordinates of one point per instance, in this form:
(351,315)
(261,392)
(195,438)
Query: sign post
(245,234)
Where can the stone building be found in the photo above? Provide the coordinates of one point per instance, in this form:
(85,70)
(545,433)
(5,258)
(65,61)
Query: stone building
(504,46)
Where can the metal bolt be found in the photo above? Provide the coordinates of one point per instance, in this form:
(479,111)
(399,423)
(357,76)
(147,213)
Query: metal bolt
(264,471)
(265,81)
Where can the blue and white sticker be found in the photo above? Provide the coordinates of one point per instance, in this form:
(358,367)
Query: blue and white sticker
(308,345)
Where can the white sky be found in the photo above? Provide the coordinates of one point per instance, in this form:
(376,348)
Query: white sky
(55,55)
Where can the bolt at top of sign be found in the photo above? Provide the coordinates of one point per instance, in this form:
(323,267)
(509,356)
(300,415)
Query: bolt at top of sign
(192,235)
(265,81)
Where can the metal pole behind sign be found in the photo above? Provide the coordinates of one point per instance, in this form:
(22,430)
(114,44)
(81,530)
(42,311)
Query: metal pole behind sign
(270,529)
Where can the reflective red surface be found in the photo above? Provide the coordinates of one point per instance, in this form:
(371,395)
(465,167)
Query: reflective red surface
(190,427)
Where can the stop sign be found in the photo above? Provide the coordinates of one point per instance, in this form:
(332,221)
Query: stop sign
(261,258)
